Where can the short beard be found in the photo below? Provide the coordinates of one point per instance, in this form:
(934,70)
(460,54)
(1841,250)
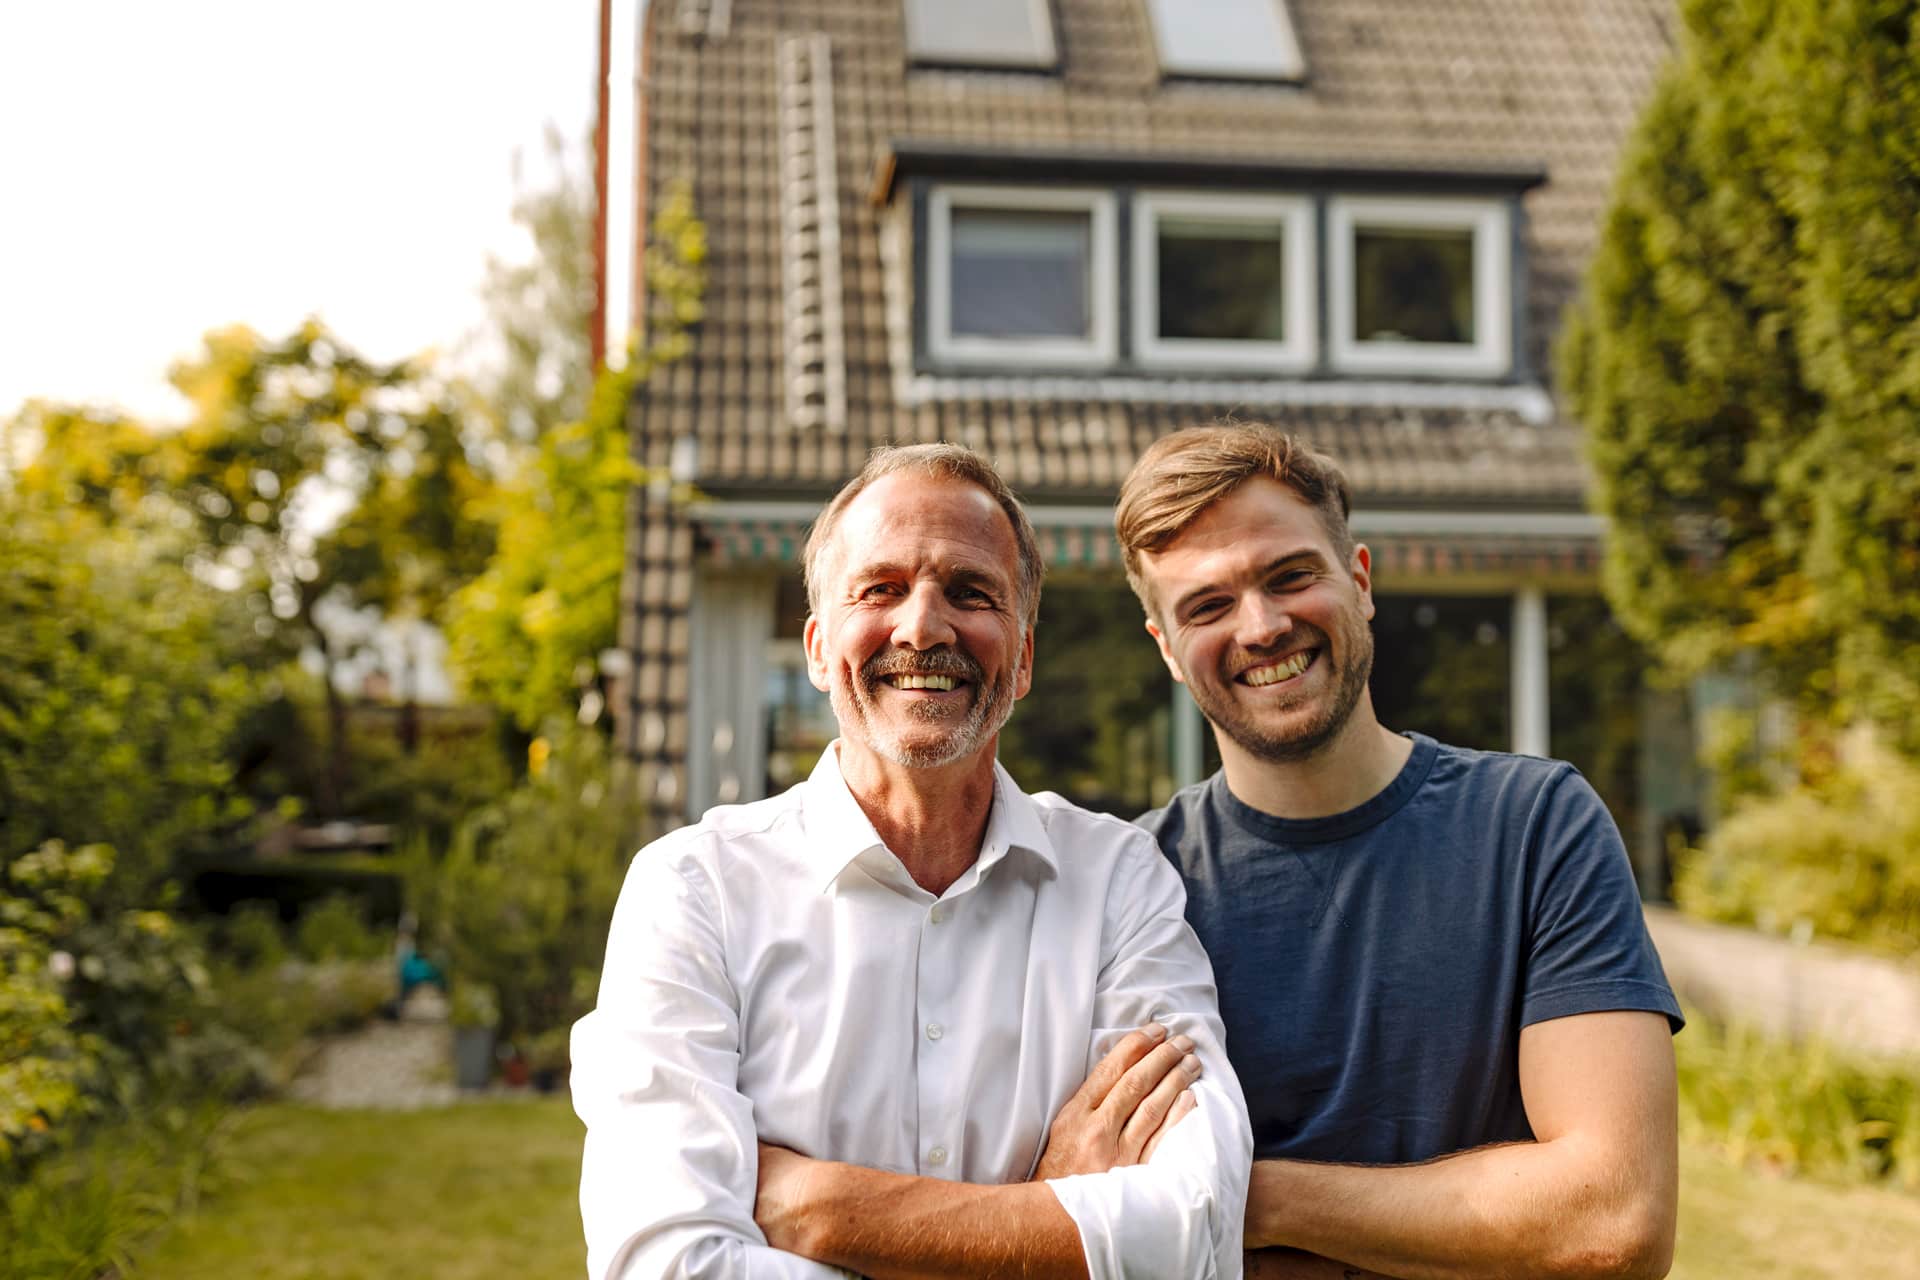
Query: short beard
(1308,740)
(983,719)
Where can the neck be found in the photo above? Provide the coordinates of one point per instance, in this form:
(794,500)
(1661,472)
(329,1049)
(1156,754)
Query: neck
(933,820)
(1346,773)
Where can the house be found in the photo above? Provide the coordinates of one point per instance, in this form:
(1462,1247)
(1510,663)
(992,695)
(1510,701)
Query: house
(1054,230)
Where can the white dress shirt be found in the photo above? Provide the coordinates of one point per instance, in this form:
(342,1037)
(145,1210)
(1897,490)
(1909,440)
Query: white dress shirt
(774,973)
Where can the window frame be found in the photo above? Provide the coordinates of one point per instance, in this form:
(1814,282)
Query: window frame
(1293,59)
(1098,350)
(1297,353)
(1041,16)
(1490,221)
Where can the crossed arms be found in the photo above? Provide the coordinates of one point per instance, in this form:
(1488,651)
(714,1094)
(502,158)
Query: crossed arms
(1592,1196)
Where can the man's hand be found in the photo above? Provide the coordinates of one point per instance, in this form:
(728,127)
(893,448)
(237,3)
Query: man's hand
(1133,1098)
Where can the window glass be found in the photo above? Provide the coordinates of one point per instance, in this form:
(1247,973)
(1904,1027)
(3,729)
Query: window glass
(1413,284)
(1221,280)
(1242,38)
(1008,33)
(1020,273)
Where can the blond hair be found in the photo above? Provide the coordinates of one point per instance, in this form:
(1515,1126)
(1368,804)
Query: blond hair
(1184,473)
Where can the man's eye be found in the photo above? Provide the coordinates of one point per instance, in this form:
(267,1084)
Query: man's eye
(1205,609)
(1292,580)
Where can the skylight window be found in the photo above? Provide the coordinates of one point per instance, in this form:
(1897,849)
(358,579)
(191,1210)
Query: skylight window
(1228,39)
(980,33)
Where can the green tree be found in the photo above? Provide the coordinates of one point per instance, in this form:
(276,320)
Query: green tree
(1746,356)
(526,634)
(120,692)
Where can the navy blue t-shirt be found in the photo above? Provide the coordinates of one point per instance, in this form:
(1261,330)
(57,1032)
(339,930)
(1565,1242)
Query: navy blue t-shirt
(1375,967)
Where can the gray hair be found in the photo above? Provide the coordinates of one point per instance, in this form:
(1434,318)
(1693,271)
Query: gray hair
(941,461)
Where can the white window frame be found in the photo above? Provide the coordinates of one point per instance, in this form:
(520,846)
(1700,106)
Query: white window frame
(1300,266)
(1098,350)
(1491,352)
(1292,64)
(1039,15)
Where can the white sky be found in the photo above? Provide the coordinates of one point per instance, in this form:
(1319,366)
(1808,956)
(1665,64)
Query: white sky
(173,166)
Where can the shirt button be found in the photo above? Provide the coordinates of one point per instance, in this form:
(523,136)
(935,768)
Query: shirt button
(935,1031)
(937,1156)
(937,915)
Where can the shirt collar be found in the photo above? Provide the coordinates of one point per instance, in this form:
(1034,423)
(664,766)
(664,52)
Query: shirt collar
(839,831)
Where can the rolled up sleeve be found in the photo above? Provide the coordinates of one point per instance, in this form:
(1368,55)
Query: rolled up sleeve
(671,1163)
(1182,1213)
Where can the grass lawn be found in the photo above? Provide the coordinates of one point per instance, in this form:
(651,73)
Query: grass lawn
(485,1191)
(480,1191)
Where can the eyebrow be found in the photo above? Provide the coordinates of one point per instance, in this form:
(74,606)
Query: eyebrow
(1307,555)
(961,574)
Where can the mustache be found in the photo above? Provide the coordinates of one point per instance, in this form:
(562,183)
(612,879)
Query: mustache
(944,661)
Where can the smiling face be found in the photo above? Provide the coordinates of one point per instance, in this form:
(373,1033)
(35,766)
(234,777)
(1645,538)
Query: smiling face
(1257,614)
(918,637)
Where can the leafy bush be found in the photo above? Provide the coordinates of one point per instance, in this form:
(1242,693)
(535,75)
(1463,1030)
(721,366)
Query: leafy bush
(85,1212)
(1798,1108)
(1838,853)
(119,695)
(521,896)
(337,929)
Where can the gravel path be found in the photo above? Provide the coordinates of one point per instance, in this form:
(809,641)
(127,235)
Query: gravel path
(401,1066)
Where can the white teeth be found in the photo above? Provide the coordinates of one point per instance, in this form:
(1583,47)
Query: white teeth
(940,684)
(1283,670)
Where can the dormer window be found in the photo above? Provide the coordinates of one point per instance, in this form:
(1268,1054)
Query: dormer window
(1226,39)
(1020,276)
(1223,281)
(980,33)
(1179,268)
(1419,286)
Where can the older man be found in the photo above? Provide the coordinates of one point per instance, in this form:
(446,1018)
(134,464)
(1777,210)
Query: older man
(1451,1024)
(896,974)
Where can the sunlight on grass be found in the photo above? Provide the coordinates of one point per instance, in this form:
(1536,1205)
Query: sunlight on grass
(486,1190)
(480,1190)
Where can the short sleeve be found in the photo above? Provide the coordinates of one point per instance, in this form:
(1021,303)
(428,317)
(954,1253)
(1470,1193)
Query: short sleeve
(1588,947)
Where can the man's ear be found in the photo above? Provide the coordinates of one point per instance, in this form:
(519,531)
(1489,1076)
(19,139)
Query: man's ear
(1023,678)
(1362,570)
(816,655)
(1166,654)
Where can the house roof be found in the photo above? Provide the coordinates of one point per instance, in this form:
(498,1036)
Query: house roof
(787,115)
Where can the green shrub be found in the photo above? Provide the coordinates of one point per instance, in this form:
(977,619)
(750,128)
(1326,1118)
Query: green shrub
(120,691)
(1798,1108)
(85,1212)
(337,929)
(520,898)
(1839,854)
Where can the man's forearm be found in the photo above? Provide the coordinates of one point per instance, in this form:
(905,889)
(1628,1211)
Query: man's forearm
(1535,1209)
(887,1225)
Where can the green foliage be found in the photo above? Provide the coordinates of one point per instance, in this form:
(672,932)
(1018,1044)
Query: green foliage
(89,1211)
(1798,1108)
(336,928)
(520,899)
(541,310)
(119,695)
(1839,854)
(1746,357)
(526,634)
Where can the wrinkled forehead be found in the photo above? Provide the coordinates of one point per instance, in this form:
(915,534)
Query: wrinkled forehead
(905,517)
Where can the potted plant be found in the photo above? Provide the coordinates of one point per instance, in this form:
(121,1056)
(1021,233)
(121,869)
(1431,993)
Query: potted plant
(475,1015)
(547,1055)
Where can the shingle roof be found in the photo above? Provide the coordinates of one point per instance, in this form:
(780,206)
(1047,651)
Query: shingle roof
(777,392)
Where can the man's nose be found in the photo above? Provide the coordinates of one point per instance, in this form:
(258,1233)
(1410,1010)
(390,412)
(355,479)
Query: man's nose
(1263,621)
(923,619)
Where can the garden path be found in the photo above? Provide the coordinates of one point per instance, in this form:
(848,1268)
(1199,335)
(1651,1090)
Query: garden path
(402,1065)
